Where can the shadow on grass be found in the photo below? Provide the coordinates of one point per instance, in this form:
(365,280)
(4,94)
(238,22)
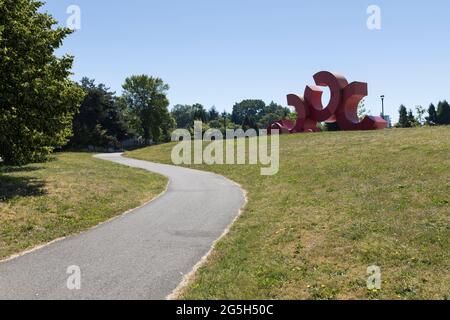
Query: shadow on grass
(7,169)
(12,187)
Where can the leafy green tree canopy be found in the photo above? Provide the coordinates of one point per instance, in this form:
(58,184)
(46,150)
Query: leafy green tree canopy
(258,112)
(184,115)
(101,121)
(37,99)
(250,108)
(200,113)
(146,98)
(270,113)
(403,121)
(213,114)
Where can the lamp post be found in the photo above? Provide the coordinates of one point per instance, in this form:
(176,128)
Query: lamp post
(224,115)
(382,106)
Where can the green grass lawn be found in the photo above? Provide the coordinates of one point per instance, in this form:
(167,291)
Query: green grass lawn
(71,193)
(342,201)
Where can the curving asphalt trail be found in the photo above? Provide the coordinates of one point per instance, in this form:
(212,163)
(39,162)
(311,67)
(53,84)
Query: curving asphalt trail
(140,255)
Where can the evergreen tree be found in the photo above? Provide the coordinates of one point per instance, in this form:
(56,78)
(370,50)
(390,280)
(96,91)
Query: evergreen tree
(200,114)
(432,115)
(213,114)
(403,118)
(443,113)
(411,119)
(100,121)
(183,115)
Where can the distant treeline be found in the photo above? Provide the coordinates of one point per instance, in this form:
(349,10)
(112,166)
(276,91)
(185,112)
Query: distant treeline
(141,115)
(436,116)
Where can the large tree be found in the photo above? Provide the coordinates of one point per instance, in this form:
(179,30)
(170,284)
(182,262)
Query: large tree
(411,119)
(432,115)
(37,99)
(403,121)
(443,113)
(146,97)
(213,114)
(184,116)
(249,123)
(257,111)
(270,113)
(250,108)
(200,113)
(101,120)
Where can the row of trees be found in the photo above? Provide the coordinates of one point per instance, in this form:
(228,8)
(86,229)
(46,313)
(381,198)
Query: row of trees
(107,120)
(247,114)
(41,109)
(142,111)
(436,116)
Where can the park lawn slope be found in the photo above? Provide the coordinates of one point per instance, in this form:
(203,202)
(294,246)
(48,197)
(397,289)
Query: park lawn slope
(69,194)
(342,201)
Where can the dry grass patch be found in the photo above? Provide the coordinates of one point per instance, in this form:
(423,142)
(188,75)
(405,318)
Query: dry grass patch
(71,193)
(341,202)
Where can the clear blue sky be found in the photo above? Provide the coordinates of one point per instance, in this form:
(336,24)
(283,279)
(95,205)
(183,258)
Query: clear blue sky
(218,52)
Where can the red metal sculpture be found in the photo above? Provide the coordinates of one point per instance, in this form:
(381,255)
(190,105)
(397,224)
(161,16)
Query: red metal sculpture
(342,108)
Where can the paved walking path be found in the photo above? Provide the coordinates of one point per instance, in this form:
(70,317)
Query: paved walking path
(140,255)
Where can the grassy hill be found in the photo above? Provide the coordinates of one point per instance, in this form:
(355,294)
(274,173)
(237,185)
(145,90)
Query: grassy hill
(342,201)
(71,193)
